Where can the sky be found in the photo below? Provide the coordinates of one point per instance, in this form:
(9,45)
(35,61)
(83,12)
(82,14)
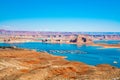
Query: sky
(60,15)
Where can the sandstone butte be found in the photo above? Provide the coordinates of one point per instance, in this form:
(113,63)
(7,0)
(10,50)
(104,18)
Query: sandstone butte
(22,64)
(84,39)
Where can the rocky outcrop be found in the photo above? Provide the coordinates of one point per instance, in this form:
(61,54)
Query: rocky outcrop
(84,39)
(21,64)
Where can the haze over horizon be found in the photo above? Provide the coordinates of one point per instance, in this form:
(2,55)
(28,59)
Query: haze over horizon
(60,15)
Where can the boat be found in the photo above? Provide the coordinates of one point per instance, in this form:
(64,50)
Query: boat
(115,62)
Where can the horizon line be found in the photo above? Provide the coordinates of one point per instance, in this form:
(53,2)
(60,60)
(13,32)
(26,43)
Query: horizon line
(62,31)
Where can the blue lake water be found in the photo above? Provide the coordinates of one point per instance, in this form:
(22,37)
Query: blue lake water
(108,42)
(91,55)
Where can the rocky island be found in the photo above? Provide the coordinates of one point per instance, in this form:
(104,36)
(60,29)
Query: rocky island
(22,64)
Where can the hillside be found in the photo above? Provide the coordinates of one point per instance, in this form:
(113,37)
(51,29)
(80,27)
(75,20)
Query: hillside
(22,64)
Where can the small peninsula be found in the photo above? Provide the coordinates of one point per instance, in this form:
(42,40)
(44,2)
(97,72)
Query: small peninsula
(23,64)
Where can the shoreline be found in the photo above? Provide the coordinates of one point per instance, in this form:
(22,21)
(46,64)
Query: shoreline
(64,57)
(107,45)
(31,65)
(104,45)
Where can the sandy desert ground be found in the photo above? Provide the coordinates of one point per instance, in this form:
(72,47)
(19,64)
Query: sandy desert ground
(22,64)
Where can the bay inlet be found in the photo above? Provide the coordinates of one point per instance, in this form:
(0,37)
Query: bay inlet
(91,55)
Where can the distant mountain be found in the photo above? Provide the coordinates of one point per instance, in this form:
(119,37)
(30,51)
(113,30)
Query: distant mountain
(2,31)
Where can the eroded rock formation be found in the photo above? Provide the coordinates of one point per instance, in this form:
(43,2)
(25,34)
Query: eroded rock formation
(21,64)
(84,39)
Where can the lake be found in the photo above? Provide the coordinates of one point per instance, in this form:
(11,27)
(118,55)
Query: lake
(92,55)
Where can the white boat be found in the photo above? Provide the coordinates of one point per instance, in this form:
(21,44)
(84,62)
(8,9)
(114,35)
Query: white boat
(115,62)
